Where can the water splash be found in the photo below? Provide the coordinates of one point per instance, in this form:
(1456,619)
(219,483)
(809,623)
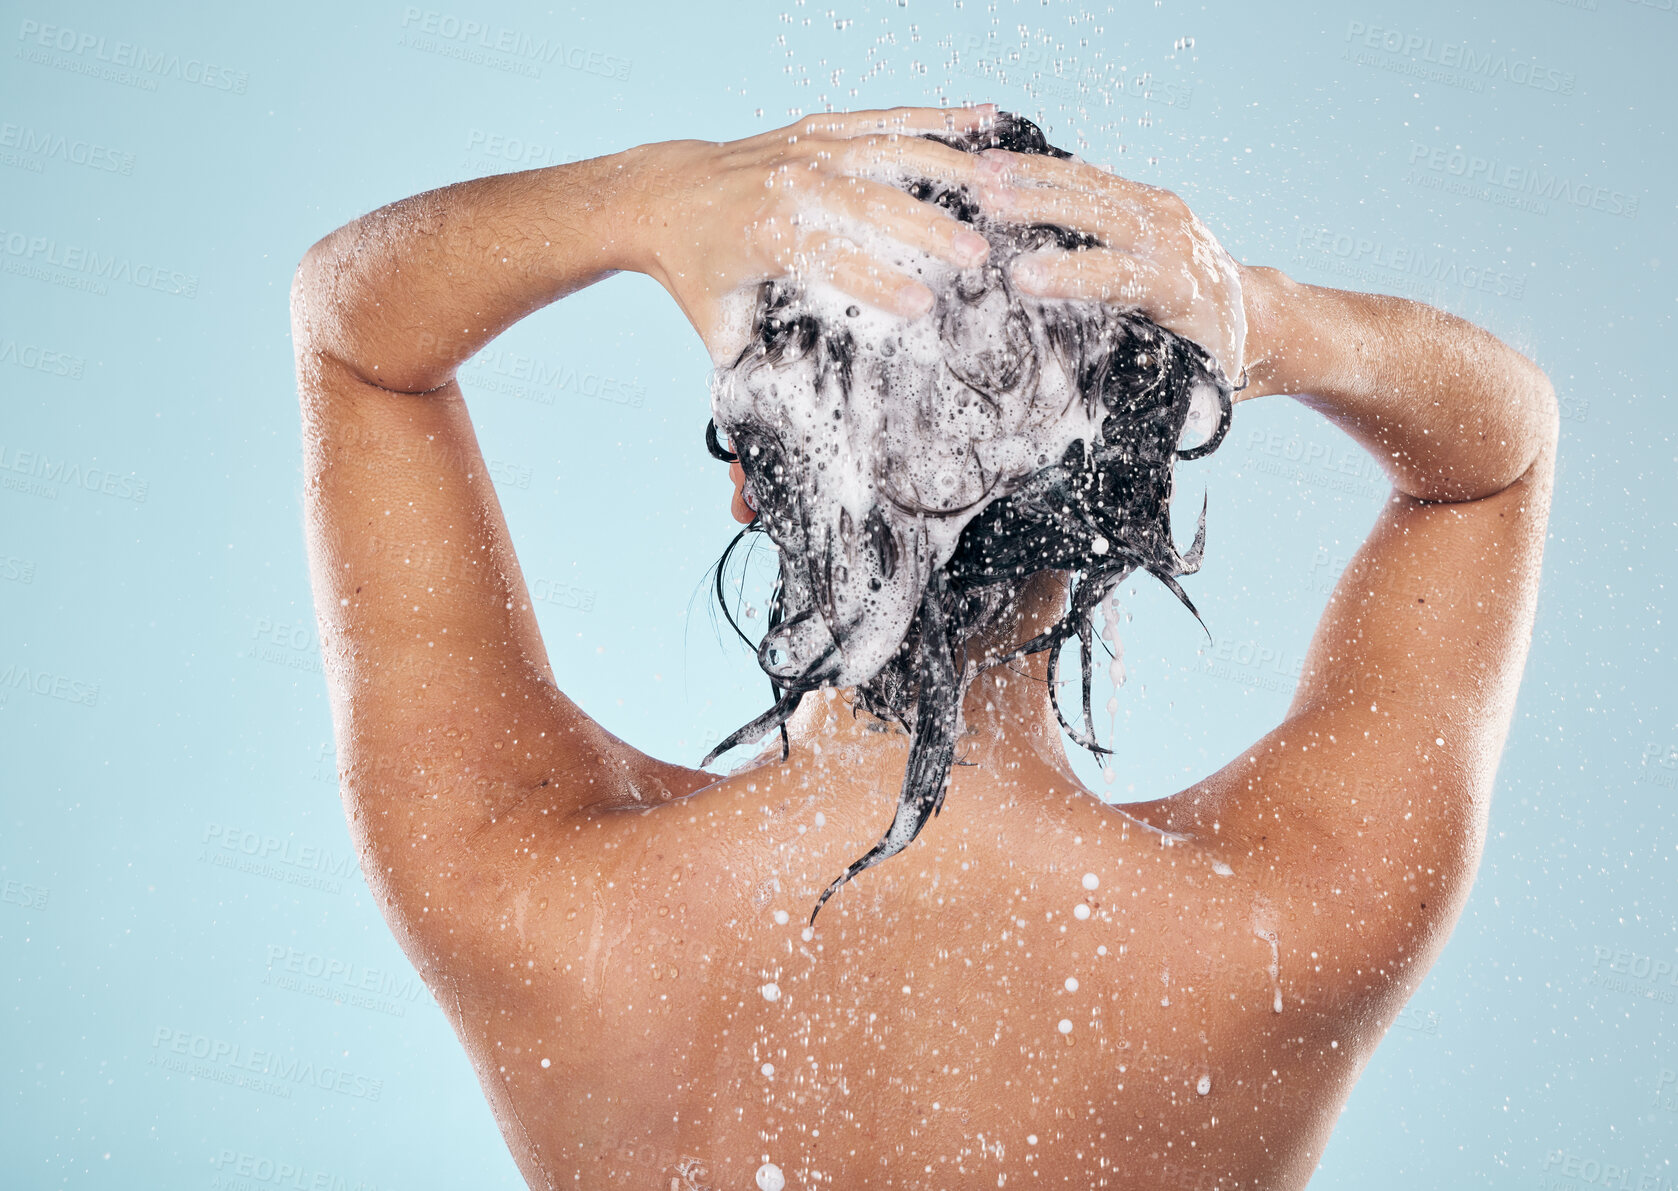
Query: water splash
(1264,927)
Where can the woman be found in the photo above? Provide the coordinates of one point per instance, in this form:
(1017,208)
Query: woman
(1044,987)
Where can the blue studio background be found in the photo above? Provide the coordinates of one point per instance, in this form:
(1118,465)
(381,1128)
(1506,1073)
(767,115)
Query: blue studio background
(179,903)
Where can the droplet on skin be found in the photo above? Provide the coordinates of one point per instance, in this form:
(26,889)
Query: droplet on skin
(1205,1085)
(547,1062)
(807,934)
(1222,869)
(1091,881)
(768,1069)
(780,918)
(821,819)
(771,991)
(769,1177)
(1071,984)
(1065,1027)
(1080,911)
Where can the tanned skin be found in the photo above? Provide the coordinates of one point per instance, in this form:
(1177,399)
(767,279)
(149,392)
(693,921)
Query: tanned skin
(599,925)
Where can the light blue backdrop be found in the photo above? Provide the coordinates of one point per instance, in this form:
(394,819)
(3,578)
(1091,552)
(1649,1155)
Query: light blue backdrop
(178,902)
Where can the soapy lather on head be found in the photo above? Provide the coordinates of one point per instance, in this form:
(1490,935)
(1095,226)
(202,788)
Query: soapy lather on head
(913,474)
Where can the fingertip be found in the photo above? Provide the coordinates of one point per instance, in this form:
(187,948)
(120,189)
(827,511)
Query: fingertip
(971,249)
(1030,274)
(913,299)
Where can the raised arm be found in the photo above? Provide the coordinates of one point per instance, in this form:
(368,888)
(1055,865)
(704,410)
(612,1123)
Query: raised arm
(445,707)
(1392,740)
(1373,791)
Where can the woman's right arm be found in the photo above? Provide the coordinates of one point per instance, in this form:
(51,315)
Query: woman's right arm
(402,296)
(449,721)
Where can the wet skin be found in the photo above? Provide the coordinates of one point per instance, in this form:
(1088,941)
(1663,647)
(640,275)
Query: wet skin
(600,925)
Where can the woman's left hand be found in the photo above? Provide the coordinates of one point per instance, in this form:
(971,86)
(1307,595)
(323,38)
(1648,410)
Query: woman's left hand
(1156,256)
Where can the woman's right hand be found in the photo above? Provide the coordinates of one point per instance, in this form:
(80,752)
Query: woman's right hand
(716,220)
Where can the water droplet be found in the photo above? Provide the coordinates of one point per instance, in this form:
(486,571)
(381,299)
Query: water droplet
(1080,911)
(1091,881)
(771,991)
(767,1069)
(780,917)
(547,1062)
(1205,1085)
(1071,984)
(769,1177)
(1065,1027)
(1222,869)
(821,819)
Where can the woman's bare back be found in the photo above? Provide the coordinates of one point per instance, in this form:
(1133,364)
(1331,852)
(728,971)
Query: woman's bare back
(1043,987)
(604,928)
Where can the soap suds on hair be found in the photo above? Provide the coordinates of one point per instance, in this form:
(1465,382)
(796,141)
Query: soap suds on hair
(914,474)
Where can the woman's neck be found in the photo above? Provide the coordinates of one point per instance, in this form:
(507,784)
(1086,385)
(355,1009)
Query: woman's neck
(1006,711)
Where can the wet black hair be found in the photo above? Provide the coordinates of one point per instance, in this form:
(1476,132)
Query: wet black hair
(1101,512)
